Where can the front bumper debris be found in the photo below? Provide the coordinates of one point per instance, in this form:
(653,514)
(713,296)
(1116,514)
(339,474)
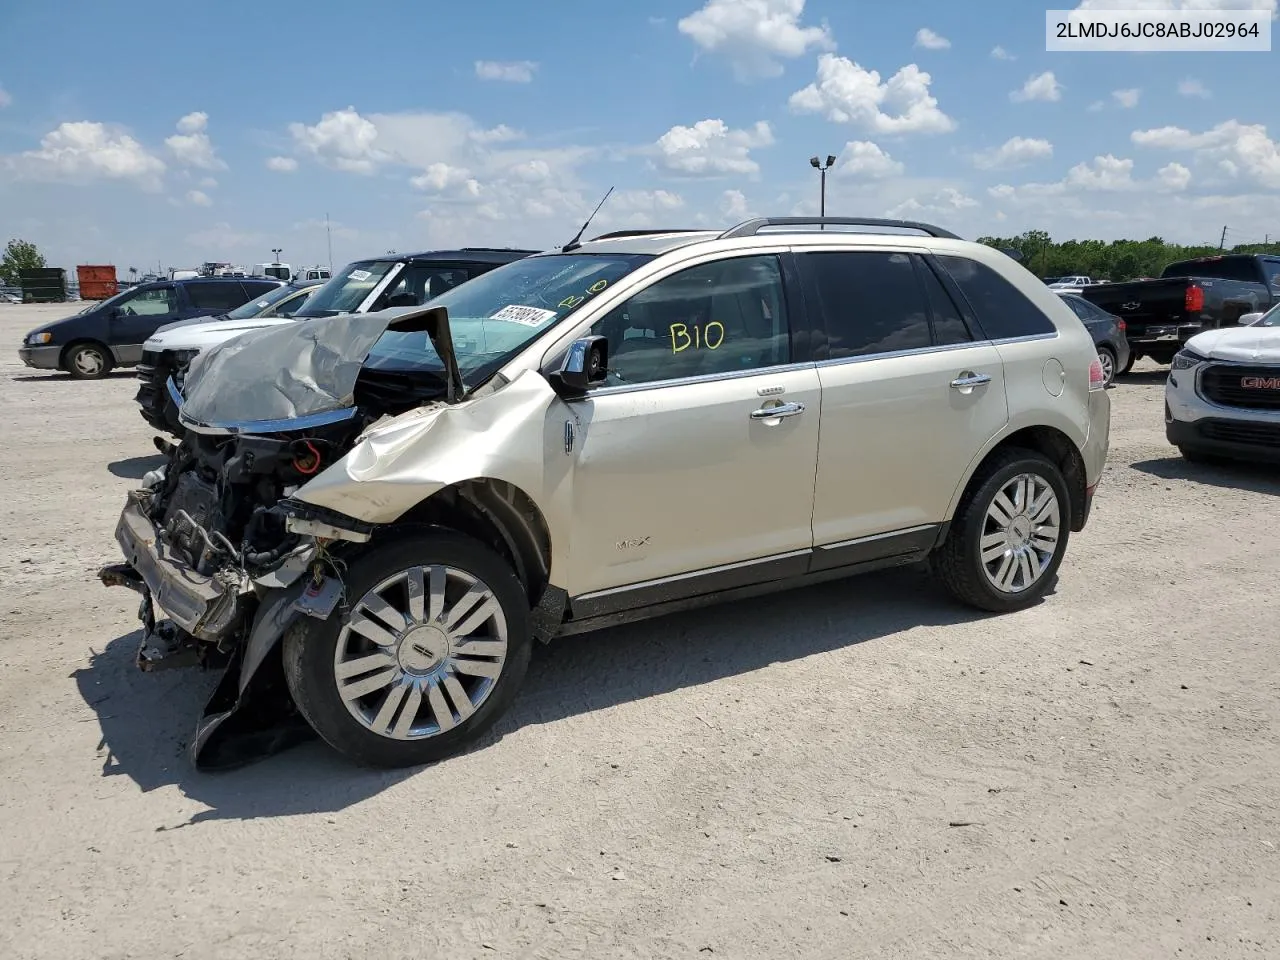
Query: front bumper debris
(204,606)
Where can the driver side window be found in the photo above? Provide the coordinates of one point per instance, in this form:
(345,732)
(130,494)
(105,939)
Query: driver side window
(151,303)
(718,317)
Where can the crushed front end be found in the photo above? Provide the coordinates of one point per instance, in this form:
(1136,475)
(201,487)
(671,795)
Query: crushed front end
(224,561)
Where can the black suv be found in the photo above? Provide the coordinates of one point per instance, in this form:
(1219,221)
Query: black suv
(110,333)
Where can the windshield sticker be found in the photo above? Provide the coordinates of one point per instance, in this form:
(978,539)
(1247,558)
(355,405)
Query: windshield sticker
(528,316)
(360,275)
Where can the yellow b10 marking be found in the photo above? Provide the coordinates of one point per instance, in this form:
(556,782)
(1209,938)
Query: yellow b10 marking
(708,336)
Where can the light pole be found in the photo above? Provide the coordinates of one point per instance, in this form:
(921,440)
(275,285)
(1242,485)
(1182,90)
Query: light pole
(276,251)
(822,170)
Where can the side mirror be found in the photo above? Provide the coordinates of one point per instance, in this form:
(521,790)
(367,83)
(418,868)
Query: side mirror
(586,364)
(1249,319)
(1012,254)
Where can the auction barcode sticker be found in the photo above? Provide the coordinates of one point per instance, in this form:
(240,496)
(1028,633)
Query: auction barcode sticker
(529,316)
(1168,31)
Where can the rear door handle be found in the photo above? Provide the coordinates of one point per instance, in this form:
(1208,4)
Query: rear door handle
(779,412)
(969,380)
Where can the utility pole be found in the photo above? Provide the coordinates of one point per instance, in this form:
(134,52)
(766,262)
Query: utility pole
(329,236)
(1223,242)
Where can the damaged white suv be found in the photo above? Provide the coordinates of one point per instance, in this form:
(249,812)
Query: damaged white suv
(371,518)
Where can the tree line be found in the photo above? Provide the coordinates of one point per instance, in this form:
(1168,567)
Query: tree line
(1114,260)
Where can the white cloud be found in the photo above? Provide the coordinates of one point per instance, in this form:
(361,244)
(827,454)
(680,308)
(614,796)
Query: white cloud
(1014,152)
(862,158)
(733,204)
(1105,172)
(710,148)
(1246,146)
(1191,87)
(224,240)
(1268,5)
(282,164)
(1174,176)
(510,71)
(5,98)
(1097,106)
(342,139)
(1000,53)
(1128,99)
(208,183)
(439,177)
(82,151)
(847,93)
(929,40)
(199,198)
(499,134)
(1043,86)
(947,201)
(191,145)
(754,34)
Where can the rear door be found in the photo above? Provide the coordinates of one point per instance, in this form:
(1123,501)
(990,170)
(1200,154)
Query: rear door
(910,394)
(213,297)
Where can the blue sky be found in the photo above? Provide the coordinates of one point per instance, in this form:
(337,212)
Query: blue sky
(172,134)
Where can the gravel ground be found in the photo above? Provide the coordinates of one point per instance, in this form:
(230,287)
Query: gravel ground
(858,769)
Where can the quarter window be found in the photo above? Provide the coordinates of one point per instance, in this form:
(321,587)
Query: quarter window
(1001,309)
(718,317)
(949,327)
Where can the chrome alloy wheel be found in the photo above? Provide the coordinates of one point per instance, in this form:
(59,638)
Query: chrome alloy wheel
(1108,365)
(420,652)
(1020,534)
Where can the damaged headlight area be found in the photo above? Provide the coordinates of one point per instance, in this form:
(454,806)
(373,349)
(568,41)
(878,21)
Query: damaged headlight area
(207,540)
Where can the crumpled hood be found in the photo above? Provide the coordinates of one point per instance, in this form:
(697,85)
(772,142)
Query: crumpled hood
(1240,344)
(299,369)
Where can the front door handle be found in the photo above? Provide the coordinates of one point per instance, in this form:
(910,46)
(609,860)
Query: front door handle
(969,380)
(779,412)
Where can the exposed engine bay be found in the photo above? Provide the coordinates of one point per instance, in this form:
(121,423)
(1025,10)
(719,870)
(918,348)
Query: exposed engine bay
(207,536)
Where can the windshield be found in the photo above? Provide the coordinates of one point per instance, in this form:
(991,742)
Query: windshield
(348,289)
(495,315)
(258,306)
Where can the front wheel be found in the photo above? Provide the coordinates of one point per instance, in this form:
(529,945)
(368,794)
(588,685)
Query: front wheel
(430,650)
(1009,534)
(88,361)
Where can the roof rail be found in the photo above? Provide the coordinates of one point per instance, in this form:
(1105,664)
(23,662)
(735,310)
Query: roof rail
(617,234)
(751,227)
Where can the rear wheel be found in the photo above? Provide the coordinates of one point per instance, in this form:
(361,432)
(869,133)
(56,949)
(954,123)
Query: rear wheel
(1128,364)
(87,361)
(1009,534)
(1107,357)
(429,653)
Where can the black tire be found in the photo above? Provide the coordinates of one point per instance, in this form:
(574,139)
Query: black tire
(958,563)
(87,361)
(309,651)
(1105,354)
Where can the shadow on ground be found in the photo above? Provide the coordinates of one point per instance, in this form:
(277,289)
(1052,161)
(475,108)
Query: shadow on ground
(1236,475)
(45,377)
(147,719)
(135,468)
(1157,376)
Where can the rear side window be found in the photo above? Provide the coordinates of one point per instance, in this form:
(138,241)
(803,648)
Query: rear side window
(1272,270)
(872,302)
(256,288)
(1001,309)
(215,295)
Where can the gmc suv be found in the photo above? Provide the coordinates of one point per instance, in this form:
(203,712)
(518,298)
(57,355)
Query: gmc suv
(371,518)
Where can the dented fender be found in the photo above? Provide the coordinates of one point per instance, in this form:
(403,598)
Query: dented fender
(515,433)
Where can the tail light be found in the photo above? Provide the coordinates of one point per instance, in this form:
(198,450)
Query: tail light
(1195,299)
(1097,379)
(1121,324)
